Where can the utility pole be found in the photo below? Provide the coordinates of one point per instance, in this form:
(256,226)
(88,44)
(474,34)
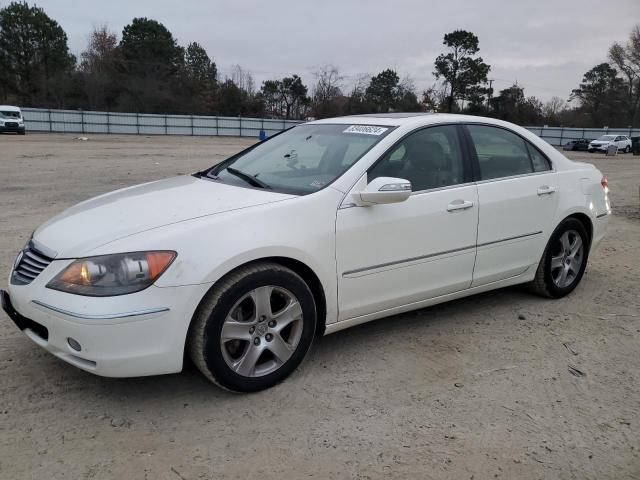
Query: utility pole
(490,92)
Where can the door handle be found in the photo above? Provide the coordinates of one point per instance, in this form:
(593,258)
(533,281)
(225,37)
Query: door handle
(546,190)
(459,205)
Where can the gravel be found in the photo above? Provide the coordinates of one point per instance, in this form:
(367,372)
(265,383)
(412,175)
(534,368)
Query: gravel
(499,385)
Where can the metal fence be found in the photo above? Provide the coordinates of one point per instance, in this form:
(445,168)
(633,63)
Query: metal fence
(560,135)
(80,121)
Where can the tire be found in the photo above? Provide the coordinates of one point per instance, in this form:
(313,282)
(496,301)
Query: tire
(627,149)
(256,353)
(548,281)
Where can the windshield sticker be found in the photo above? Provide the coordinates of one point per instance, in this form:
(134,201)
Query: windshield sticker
(366,130)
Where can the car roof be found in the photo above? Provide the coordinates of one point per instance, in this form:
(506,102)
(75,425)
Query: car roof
(397,119)
(9,108)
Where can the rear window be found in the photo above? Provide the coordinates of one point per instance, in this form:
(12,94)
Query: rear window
(502,153)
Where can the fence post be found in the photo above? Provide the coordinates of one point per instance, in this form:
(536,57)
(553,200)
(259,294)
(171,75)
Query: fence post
(192,125)
(240,118)
(50,124)
(284,124)
(561,134)
(165,124)
(82,119)
(138,123)
(217,133)
(108,122)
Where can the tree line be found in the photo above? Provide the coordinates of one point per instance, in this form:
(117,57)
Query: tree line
(145,70)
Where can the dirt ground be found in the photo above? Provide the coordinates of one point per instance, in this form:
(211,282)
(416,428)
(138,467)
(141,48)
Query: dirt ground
(476,388)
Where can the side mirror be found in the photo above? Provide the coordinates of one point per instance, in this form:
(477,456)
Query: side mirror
(383,190)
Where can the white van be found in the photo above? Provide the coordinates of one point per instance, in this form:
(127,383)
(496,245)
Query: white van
(11,120)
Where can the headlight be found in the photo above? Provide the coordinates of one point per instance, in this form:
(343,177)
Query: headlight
(110,275)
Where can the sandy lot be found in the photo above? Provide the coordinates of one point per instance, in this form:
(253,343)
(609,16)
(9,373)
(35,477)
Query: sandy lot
(477,388)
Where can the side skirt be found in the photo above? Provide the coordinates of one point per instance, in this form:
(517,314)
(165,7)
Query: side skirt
(524,277)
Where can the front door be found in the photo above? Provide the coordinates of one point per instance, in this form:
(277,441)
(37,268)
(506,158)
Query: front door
(398,254)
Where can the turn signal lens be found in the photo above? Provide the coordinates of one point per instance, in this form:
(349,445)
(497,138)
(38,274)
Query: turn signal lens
(158,261)
(109,275)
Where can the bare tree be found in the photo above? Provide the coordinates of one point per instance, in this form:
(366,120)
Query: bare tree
(626,60)
(99,68)
(243,79)
(552,108)
(327,92)
(100,51)
(360,85)
(434,97)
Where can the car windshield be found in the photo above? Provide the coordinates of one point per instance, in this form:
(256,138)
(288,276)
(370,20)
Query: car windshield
(301,160)
(606,137)
(6,114)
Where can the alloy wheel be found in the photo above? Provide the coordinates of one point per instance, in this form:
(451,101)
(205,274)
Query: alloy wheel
(567,258)
(261,331)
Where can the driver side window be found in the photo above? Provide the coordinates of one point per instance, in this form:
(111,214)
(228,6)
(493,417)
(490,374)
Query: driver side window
(429,158)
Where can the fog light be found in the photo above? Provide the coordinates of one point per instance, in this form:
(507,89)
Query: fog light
(74,344)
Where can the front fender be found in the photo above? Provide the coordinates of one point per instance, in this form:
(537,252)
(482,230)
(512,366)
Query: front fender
(301,229)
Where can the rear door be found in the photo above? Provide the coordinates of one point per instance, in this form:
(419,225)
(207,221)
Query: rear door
(517,194)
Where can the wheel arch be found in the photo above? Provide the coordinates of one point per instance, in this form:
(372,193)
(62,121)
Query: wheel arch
(314,283)
(297,266)
(586,222)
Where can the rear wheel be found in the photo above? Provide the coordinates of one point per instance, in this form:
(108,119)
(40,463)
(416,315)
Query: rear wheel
(627,149)
(253,329)
(563,261)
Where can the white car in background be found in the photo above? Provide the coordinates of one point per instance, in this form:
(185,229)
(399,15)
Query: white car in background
(330,224)
(11,120)
(601,144)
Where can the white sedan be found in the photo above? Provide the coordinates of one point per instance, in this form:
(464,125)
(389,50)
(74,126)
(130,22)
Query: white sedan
(330,224)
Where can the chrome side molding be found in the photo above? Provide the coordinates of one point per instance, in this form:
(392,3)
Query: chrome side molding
(106,316)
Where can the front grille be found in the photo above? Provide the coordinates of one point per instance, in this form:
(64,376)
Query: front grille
(31,263)
(11,124)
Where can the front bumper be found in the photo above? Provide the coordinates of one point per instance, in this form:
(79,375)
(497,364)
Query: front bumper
(11,128)
(598,148)
(138,342)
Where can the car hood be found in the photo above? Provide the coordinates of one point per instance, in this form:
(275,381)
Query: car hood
(601,142)
(115,215)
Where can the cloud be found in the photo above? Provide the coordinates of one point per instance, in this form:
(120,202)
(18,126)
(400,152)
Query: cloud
(546,45)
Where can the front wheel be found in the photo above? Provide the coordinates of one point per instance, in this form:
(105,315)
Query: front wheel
(254,328)
(563,261)
(627,149)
